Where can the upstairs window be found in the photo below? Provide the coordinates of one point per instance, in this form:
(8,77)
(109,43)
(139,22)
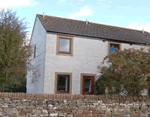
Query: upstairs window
(64,45)
(113,47)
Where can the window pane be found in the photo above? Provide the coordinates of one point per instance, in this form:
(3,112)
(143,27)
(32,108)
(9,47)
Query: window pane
(64,45)
(34,51)
(63,83)
(114,47)
(88,85)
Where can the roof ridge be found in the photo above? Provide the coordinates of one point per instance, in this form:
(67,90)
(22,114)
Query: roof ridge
(113,26)
(62,18)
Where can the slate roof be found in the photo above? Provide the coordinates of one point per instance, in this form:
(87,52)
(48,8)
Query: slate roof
(95,30)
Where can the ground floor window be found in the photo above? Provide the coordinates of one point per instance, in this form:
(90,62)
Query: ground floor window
(63,83)
(87,83)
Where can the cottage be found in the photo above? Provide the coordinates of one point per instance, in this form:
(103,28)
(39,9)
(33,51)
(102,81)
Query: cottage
(67,53)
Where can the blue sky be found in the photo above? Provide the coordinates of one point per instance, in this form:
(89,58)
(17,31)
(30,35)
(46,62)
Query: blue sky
(124,13)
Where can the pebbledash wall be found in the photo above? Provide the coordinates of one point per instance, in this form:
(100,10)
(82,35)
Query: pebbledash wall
(46,105)
(87,55)
(35,83)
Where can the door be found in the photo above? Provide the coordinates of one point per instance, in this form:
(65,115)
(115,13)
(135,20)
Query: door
(88,85)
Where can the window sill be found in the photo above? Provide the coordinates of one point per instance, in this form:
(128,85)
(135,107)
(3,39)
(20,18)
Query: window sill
(59,92)
(64,54)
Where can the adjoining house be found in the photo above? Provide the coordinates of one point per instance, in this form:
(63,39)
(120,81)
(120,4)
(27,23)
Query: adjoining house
(67,53)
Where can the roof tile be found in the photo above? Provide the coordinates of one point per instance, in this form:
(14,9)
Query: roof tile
(76,27)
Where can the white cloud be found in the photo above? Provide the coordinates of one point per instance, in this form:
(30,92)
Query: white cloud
(72,1)
(84,11)
(102,0)
(16,3)
(28,37)
(107,1)
(137,26)
(61,1)
(81,0)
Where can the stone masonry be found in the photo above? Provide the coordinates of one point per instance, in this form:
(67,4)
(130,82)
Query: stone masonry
(46,105)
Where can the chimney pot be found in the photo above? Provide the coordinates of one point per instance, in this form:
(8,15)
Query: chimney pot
(87,22)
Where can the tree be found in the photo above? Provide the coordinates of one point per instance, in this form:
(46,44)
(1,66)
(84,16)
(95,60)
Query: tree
(14,50)
(128,72)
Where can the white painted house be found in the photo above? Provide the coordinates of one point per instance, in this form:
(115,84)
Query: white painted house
(67,53)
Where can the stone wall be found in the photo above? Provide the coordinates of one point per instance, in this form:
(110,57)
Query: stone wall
(34,105)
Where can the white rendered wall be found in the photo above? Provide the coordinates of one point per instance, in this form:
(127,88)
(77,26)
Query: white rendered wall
(38,39)
(87,54)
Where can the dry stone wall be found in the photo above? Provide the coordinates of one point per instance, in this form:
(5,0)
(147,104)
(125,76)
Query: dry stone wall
(44,105)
